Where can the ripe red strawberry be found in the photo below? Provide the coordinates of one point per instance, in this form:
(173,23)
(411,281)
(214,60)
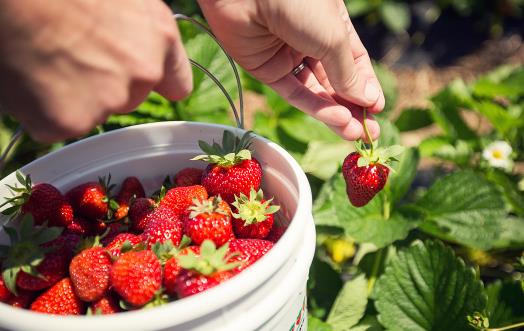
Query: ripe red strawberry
(209,219)
(188,177)
(248,251)
(4,291)
(89,272)
(138,213)
(43,201)
(65,244)
(231,170)
(366,171)
(59,300)
(104,306)
(115,246)
(52,268)
(172,268)
(253,215)
(179,199)
(162,225)
(22,300)
(203,271)
(81,227)
(136,276)
(276,233)
(29,265)
(131,189)
(91,200)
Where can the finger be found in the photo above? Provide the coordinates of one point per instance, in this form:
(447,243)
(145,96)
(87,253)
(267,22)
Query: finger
(371,123)
(177,81)
(309,96)
(340,63)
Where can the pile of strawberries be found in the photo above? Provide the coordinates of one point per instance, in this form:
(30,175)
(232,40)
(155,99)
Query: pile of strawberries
(91,252)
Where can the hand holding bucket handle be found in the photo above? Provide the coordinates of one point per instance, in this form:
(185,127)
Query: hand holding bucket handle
(238,113)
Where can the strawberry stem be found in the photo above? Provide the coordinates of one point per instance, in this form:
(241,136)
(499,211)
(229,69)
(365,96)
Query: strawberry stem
(368,135)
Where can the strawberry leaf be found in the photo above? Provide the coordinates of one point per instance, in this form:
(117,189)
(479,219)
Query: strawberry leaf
(426,287)
(350,304)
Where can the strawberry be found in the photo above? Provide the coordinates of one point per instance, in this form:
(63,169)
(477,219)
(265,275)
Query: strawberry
(209,219)
(104,306)
(65,244)
(172,268)
(22,300)
(180,198)
(4,291)
(43,201)
(91,200)
(89,272)
(136,276)
(276,233)
(27,263)
(59,300)
(188,177)
(231,170)
(248,251)
(204,270)
(253,216)
(366,170)
(138,213)
(131,189)
(116,244)
(50,270)
(162,225)
(81,227)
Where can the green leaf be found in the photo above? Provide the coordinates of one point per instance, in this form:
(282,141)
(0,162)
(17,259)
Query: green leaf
(446,113)
(509,188)
(505,303)
(206,96)
(322,159)
(499,117)
(358,7)
(365,224)
(467,209)
(350,304)
(389,134)
(388,82)
(429,146)
(316,324)
(426,287)
(368,323)
(413,119)
(324,284)
(400,181)
(395,15)
(305,128)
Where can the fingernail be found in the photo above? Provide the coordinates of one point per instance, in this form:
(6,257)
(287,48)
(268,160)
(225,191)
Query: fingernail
(371,92)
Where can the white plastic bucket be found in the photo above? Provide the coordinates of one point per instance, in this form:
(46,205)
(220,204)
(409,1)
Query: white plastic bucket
(270,295)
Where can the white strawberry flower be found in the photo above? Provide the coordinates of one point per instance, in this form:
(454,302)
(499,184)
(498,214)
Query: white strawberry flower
(498,155)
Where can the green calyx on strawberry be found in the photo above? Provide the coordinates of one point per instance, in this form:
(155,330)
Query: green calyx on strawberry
(377,155)
(253,209)
(210,260)
(167,250)
(22,195)
(25,253)
(206,206)
(232,151)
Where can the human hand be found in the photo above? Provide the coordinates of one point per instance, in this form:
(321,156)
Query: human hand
(271,37)
(66,65)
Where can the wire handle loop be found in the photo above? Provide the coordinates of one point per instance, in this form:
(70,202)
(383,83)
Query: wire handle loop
(239,115)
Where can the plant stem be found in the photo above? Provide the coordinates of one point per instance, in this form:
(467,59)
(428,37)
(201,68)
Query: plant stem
(374,271)
(512,326)
(370,140)
(386,211)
